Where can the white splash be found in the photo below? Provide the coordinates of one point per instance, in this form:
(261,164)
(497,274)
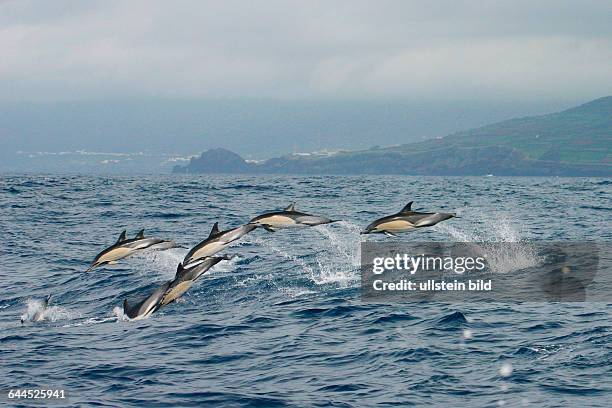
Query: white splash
(279,251)
(515,254)
(506,369)
(161,263)
(225,266)
(296,292)
(498,229)
(118,312)
(37,311)
(164,263)
(338,256)
(467,334)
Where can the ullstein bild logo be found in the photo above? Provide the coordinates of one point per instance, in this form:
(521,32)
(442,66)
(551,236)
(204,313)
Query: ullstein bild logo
(486,271)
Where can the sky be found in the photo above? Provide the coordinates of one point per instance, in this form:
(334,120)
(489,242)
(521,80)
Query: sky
(440,50)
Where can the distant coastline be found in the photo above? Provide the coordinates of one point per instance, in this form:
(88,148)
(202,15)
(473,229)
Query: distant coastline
(574,142)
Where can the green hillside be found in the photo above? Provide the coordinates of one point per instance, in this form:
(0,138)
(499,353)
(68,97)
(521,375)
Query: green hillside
(577,141)
(578,135)
(574,142)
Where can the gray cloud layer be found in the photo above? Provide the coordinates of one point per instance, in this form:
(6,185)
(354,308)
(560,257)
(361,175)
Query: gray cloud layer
(293,49)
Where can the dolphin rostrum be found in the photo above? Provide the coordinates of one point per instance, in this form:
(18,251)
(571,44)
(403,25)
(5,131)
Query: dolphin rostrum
(288,218)
(405,220)
(185,277)
(125,247)
(147,306)
(216,241)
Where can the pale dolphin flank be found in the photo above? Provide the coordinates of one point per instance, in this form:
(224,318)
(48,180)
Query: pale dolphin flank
(125,247)
(405,220)
(216,241)
(40,313)
(288,218)
(147,306)
(185,277)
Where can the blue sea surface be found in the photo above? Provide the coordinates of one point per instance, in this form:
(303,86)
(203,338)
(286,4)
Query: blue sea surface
(283,322)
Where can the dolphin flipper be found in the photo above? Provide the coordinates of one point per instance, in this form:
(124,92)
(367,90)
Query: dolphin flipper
(268,228)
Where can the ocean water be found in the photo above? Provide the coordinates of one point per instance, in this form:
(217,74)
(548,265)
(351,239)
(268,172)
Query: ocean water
(283,323)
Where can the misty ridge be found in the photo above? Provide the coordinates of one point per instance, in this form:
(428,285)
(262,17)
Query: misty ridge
(574,142)
(151,136)
(114,87)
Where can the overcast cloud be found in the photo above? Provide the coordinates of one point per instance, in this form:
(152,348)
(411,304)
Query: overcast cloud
(52,50)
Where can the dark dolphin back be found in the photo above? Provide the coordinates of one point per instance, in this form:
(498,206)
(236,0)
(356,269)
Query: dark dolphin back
(129,310)
(214,234)
(133,311)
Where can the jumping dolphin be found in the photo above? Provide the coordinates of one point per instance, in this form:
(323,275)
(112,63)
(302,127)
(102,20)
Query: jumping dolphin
(40,313)
(185,277)
(146,307)
(288,218)
(405,220)
(125,247)
(216,241)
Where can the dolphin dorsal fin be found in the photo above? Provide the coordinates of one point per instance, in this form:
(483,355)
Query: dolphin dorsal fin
(407,208)
(179,269)
(121,237)
(214,230)
(291,207)
(127,309)
(140,234)
(48,299)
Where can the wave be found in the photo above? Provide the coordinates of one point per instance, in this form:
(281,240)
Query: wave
(455,318)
